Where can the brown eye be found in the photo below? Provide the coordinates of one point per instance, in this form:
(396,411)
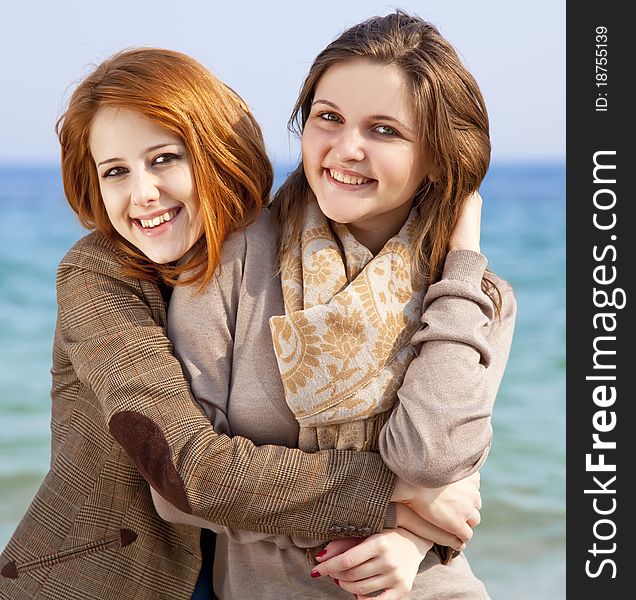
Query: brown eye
(167,158)
(329,116)
(114,172)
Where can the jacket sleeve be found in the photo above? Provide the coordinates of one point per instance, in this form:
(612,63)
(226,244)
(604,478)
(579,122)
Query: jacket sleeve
(123,356)
(203,326)
(440,430)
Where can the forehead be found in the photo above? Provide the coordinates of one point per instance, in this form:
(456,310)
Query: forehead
(365,87)
(118,129)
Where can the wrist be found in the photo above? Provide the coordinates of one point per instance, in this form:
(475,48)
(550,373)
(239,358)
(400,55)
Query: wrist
(464,245)
(400,491)
(421,544)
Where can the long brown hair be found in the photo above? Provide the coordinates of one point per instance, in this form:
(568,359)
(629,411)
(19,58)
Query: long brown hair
(232,175)
(452,125)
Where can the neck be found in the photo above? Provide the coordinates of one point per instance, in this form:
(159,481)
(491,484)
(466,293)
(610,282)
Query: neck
(374,235)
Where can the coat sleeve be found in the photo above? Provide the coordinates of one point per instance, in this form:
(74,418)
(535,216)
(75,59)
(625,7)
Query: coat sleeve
(202,325)
(123,356)
(440,430)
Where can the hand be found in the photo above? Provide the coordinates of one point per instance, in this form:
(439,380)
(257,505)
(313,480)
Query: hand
(453,508)
(466,233)
(386,561)
(410,520)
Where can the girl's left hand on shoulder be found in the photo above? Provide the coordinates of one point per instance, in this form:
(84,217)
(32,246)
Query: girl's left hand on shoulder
(386,562)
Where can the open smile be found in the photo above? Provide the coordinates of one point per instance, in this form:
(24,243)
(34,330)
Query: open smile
(348,181)
(155,224)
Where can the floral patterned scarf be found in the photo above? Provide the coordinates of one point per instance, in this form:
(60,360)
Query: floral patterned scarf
(343,345)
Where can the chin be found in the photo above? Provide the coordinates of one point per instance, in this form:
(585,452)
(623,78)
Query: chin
(334,214)
(159,258)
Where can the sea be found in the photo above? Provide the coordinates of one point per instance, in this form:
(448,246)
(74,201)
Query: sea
(518,550)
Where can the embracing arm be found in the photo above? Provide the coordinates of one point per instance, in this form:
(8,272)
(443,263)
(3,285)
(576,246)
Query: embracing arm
(112,331)
(440,430)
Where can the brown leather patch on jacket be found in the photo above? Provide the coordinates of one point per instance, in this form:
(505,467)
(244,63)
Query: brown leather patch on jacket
(10,570)
(145,444)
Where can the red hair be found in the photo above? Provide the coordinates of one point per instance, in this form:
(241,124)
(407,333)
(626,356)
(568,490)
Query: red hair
(232,175)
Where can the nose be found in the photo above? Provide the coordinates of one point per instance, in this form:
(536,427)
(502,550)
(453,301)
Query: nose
(144,190)
(349,145)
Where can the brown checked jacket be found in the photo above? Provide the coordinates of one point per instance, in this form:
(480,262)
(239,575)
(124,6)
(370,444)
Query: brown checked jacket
(123,419)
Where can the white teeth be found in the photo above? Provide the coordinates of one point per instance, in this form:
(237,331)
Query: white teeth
(150,223)
(342,178)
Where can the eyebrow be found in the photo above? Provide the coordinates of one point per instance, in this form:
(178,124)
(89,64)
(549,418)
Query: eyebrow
(146,151)
(372,117)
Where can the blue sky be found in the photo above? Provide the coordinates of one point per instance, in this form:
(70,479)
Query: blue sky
(515,50)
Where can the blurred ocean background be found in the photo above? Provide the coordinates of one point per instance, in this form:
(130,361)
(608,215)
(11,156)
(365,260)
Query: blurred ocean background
(519,548)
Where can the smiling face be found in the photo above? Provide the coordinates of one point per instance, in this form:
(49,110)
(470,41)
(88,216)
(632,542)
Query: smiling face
(145,178)
(361,152)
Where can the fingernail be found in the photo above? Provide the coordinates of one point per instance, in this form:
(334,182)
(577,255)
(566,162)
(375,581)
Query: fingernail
(315,573)
(321,553)
(337,582)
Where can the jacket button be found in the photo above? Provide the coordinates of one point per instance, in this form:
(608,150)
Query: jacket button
(350,530)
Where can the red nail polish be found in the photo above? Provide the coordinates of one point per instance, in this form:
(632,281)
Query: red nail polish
(321,553)
(315,573)
(337,582)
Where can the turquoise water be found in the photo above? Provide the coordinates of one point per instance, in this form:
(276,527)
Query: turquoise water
(519,549)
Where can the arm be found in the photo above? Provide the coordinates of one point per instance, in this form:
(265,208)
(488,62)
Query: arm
(119,350)
(459,320)
(440,431)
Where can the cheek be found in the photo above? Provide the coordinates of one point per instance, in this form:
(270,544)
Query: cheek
(193,227)
(305,149)
(312,146)
(111,208)
(403,167)
(187,183)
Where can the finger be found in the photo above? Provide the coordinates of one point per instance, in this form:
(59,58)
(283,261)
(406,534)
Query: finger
(390,594)
(425,529)
(476,199)
(466,533)
(371,568)
(474,519)
(460,531)
(445,538)
(370,586)
(336,547)
(347,560)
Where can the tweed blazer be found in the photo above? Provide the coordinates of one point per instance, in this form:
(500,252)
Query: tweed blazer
(123,419)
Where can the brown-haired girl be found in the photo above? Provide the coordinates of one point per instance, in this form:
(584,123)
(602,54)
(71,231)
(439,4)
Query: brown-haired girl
(389,335)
